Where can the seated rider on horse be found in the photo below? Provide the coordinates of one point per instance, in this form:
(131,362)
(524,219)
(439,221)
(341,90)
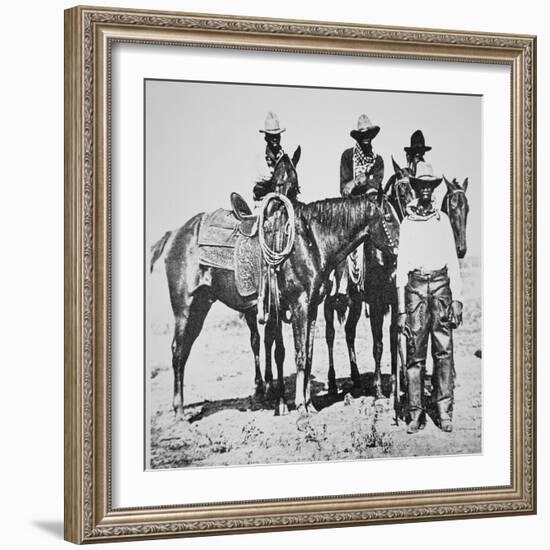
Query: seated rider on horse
(361,172)
(415,152)
(273,154)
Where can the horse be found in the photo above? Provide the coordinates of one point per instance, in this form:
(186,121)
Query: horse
(455,205)
(326,232)
(284,180)
(382,295)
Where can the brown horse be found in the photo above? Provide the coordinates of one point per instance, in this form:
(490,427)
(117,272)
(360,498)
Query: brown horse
(284,180)
(455,205)
(326,232)
(382,294)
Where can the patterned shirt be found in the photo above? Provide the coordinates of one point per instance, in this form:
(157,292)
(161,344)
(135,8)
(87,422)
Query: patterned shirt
(355,163)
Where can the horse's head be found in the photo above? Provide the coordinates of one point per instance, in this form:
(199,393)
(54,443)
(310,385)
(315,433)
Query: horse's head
(285,177)
(385,233)
(455,205)
(400,193)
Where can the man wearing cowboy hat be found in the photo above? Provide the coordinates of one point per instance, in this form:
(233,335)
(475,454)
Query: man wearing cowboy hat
(429,290)
(361,169)
(415,152)
(273,152)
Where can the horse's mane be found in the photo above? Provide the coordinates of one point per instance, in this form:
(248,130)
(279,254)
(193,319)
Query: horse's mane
(336,213)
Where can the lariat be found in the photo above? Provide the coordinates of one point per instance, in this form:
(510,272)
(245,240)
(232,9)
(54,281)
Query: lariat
(272,258)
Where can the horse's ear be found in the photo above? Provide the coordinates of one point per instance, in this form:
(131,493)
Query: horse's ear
(447,182)
(396,167)
(296,155)
(465,185)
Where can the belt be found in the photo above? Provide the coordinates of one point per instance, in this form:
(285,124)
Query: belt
(421,275)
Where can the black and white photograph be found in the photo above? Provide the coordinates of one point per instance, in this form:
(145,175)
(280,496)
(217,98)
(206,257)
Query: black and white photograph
(313,274)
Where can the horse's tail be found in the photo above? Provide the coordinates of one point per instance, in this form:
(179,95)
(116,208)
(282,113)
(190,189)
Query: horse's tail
(158,248)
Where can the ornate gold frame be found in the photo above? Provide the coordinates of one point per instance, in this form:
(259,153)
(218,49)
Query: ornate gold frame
(89,34)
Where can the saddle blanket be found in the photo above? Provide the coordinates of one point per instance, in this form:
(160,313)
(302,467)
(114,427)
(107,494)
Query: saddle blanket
(223,243)
(218,236)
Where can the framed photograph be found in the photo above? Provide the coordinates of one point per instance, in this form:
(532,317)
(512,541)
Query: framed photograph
(300,274)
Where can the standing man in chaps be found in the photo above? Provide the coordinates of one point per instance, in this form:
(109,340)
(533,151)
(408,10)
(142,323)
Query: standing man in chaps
(361,171)
(429,290)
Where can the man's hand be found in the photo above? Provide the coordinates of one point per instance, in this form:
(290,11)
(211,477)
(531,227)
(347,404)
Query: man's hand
(361,179)
(358,190)
(456,310)
(401,322)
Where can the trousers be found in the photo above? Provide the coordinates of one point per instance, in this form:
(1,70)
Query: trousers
(428,302)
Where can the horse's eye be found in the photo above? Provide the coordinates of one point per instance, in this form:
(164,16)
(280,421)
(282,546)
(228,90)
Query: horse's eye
(454,202)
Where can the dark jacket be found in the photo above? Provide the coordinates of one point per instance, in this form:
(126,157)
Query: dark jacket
(374,176)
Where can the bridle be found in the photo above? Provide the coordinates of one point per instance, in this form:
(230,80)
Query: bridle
(285,185)
(402,209)
(447,199)
(391,241)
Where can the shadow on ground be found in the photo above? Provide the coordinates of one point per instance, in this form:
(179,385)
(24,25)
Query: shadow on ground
(320,397)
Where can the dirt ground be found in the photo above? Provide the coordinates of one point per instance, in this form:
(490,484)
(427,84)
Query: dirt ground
(228,425)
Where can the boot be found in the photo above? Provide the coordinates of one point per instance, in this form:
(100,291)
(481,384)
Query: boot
(444,408)
(416,421)
(414,384)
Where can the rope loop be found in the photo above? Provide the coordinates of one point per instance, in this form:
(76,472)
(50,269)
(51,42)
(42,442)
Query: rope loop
(273,257)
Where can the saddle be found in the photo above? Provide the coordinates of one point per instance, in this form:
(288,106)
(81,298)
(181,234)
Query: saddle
(228,240)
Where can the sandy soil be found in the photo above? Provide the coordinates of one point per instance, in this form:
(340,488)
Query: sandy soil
(228,425)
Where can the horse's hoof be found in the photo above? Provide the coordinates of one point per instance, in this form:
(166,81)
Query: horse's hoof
(269,389)
(303,417)
(178,413)
(259,389)
(281,408)
(446,425)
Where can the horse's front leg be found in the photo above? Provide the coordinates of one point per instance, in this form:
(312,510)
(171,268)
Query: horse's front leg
(300,333)
(312,319)
(351,328)
(280,407)
(394,342)
(329,337)
(269,338)
(376,325)
(250,316)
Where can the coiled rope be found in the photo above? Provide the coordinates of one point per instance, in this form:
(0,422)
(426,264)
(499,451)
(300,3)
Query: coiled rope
(274,258)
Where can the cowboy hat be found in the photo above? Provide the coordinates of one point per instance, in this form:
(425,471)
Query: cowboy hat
(424,174)
(272,124)
(365,128)
(417,143)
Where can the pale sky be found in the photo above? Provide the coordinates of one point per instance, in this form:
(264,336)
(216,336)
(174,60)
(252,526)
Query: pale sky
(202,142)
